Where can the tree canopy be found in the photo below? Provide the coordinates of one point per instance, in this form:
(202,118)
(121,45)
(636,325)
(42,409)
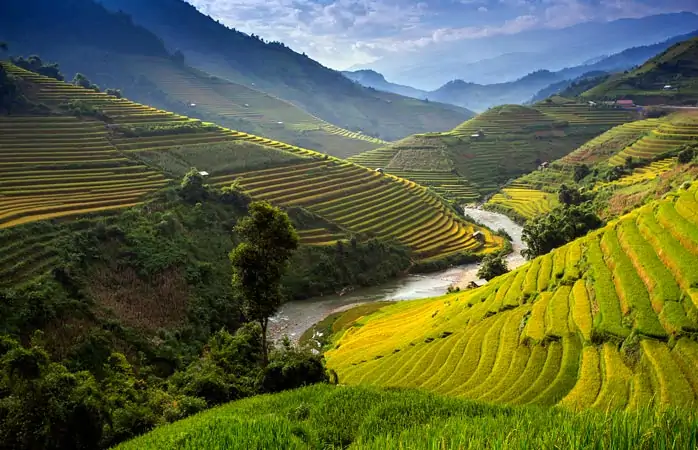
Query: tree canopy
(557,228)
(260,261)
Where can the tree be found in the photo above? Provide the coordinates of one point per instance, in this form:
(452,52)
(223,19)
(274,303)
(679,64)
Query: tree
(82,81)
(493,265)
(113,92)
(3,46)
(580,172)
(192,188)
(558,227)
(569,195)
(686,155)
(260,261)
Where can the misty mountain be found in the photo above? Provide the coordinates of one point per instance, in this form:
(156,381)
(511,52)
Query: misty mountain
(278,70)
(498,59)
(373,79)
(535,86)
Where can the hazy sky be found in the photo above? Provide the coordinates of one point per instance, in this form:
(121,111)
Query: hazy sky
(340,33)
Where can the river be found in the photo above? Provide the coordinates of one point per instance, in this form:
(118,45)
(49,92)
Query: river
(295,317)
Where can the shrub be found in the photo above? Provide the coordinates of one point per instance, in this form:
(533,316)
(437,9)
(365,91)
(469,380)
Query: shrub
(493,265)
(113,92)
(292,367)
(686,155)
(560,226)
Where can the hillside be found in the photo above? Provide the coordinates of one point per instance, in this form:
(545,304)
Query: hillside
(372,418)
(604,322)
(277,70)
(146,72)
(373,79)
(480,97)
(579,79)
(650,146)
(516,140)
(669,78)
(116,152)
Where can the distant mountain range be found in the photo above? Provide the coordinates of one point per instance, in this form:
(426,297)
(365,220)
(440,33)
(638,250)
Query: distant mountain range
(500,59)
(129,49)
(535,86)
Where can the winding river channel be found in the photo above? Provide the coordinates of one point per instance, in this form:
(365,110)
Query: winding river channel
(297,316)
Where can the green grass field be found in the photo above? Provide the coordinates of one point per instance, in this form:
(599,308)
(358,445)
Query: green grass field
(330,417)
(610,323)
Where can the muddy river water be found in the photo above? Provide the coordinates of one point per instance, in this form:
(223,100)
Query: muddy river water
(295,317)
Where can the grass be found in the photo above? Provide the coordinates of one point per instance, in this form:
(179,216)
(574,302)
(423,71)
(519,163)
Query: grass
(592,310)
(325,416)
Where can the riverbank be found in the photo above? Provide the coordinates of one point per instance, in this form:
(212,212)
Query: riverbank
(296,317)
(495,221)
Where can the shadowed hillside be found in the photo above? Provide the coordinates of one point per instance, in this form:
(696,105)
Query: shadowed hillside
(274,68)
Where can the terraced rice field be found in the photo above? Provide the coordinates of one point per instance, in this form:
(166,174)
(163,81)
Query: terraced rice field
(516,139)
(447,184)
(550,332)
(56,166)
(374,159)
(524,201)
(641,174)
(266,114)
(505,120)
(358,200)
(583,114)
(364,202)
(320,237)
(610,142)
(667,136)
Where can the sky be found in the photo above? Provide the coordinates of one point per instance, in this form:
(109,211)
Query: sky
(343,33)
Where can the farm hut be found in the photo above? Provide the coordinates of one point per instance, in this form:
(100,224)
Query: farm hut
(203,173)
(668,87)
(193,105)
(379,170)
(479,236)
(544,165)
(473,285)
(479,135)
(625,103)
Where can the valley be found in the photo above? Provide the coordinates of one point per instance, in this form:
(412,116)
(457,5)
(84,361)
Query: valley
(210,240)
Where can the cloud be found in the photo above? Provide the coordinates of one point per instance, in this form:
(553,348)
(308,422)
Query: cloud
(341,33)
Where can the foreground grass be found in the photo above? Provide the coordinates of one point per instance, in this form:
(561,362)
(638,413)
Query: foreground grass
(329,417)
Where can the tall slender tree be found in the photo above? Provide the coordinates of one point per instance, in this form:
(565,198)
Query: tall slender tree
(260,261)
